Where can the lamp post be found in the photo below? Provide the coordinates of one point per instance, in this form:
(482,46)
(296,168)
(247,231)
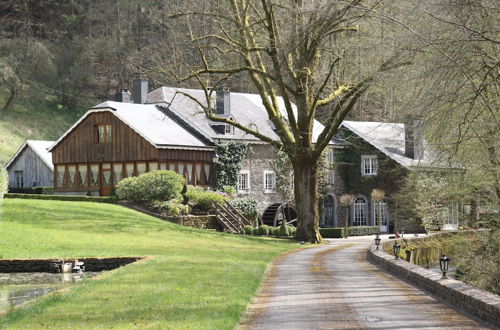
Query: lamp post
(396,248)
(215,158)
(377,241)
(444,263)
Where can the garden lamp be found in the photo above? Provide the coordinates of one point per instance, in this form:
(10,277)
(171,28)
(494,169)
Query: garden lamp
(396,248)
(215,159)
(444,263)
(377,241)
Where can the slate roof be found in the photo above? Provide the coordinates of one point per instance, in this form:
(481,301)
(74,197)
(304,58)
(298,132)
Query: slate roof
(246,109)
(40,148)
(389,138)
(150,122)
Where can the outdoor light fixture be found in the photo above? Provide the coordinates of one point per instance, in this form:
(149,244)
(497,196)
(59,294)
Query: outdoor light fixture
(444,263)
(215,159)
(377,241)
(396,249)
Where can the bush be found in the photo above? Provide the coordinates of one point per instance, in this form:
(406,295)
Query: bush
(174,207)
(4,182)
(255,231)
(292,230)
(203,200)
(156,185)
(363,230)
(230,190)
(248,230)
(263,230)
(283,229)
(247,206)
(331,232)
(31,190)
(95,199)
(353,231)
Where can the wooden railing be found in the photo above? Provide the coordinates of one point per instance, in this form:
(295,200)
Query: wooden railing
(230,218)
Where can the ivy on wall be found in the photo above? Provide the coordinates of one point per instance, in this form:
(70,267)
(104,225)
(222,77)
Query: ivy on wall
(231,155)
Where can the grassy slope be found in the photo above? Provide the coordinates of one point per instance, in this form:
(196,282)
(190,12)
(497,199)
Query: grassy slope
(32,117)
(198,279)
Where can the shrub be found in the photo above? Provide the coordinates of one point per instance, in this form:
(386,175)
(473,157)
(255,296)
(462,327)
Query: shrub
(230,190)
(255,231)
(95,199)
(156,185)
(363,230)
(31,190)
(174,207)
(129,188)
(203,200)
(264,230)
(353,231)
(283,229)
(331,232)
(248,230)
(4,182)
(247,206)
(292,230)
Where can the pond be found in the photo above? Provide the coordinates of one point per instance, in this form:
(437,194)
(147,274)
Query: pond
(18,288)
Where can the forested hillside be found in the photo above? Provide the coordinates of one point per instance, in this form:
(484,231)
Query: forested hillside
(59,57)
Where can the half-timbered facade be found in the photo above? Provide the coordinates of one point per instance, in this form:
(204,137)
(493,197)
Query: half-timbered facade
(115,140)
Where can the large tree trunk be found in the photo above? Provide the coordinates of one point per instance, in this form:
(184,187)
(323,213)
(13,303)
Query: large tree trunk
(11,100)
(306,200)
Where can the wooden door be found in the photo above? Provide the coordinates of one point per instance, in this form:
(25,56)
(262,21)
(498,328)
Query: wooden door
(106,179)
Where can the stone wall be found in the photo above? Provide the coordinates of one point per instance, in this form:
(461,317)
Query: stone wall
(476,302)
(197,221)
(54,265)
(259,158)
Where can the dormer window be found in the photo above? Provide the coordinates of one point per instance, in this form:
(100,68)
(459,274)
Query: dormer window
(229,129)
(103,133)
(369,165)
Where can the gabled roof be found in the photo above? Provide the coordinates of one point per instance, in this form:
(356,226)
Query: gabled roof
(389,138)
(246,109)
(40,148)
(148,121)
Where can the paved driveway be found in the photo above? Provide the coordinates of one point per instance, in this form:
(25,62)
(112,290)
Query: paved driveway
(332,286)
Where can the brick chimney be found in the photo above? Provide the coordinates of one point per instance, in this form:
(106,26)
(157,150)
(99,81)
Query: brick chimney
(140,90)
(122,95)
(414,139)
(223,102)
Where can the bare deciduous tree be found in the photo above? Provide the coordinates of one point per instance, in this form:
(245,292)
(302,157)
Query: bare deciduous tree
(292,52)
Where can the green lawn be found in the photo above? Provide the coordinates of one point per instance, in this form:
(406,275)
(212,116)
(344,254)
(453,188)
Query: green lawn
(197,279)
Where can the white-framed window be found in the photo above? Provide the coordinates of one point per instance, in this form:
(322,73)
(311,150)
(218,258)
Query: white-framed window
(330,178)
(244,182)
(369,165)
(269,182)
(384,213)
(360,212)
(228,129)
(331,157)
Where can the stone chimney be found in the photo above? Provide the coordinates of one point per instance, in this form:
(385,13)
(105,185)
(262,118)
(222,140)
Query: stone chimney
(122,95)
(414,139)
(223,102)
(140,91)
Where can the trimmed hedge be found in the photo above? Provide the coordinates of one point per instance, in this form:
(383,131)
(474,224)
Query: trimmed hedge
(331,232)
(353,231)
(156,185)
(31,190)
(96,199)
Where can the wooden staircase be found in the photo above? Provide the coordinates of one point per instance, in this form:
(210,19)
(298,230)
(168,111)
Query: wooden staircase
(230,218)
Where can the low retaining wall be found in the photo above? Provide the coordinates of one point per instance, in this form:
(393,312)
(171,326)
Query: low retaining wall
(54,265)
(196,221)
(481,304)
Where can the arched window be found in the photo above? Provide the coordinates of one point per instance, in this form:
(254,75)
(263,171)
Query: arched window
(360,213)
